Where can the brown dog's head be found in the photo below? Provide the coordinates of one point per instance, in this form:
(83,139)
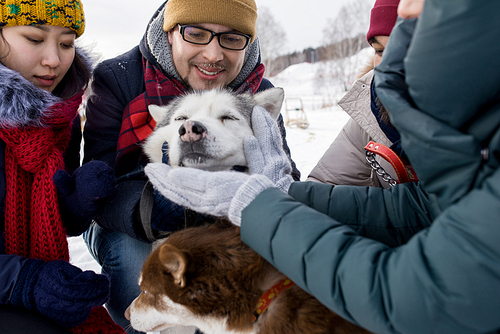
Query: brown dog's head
(199,277)
(208,278)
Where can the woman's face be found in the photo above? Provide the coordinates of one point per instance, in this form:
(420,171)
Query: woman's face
(41,54)
(378,44)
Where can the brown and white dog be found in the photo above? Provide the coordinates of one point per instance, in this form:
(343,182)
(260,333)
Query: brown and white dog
(208,278)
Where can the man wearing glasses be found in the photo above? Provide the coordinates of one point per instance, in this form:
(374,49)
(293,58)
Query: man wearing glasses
(188,45)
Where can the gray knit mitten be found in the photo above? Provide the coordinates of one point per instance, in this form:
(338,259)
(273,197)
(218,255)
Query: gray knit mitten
(264,152)
(221,194)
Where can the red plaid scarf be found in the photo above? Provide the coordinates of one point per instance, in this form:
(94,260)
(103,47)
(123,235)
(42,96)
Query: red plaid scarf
(138,124)
(33,224)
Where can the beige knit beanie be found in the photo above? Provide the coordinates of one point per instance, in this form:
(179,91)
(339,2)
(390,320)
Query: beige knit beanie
(240,15)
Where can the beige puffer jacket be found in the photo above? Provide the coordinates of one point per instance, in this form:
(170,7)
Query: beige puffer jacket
(345,160)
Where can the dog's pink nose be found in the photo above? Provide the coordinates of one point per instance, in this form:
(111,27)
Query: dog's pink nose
(192,131)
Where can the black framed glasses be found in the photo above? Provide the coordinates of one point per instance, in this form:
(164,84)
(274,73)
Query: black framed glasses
(201,36)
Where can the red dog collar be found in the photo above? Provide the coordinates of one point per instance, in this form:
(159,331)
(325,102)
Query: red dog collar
(271,294)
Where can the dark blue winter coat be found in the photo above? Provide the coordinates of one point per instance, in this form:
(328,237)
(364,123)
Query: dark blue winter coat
(117,82)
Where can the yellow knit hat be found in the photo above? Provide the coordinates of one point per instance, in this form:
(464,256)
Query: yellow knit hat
(64,13)
(240,15)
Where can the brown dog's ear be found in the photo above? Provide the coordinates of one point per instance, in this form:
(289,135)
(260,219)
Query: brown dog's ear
(271,100)
(175,262)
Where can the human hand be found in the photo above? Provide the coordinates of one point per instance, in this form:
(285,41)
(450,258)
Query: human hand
(221,194)
(82,195)
(59,290)
(264,151)
(410,9)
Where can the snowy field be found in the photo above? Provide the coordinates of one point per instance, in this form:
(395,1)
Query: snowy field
(307,145)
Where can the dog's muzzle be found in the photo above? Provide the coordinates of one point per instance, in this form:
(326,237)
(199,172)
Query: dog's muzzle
(193,149)
(192,131)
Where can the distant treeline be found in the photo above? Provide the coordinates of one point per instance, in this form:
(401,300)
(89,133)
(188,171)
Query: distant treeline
(345,48)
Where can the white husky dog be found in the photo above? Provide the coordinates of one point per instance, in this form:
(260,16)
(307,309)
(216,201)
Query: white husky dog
(206,129)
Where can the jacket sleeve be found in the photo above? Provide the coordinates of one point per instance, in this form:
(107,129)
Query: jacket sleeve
(10,266)
(72,154)
(443,280)
(352,169)
(391,216)
(113,88)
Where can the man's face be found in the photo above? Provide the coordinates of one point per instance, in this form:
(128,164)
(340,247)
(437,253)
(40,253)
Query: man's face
(205,66)
(378,44)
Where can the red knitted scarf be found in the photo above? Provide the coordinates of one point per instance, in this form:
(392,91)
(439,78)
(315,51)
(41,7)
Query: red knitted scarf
(33,225)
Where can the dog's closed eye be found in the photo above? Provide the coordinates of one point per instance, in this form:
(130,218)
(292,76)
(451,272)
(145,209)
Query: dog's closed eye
(228,118)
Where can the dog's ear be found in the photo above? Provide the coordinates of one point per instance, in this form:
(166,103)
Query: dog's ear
(271,100)
(175,262)
(157,112)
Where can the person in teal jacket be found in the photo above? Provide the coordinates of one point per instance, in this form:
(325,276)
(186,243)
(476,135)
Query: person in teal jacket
(416,258)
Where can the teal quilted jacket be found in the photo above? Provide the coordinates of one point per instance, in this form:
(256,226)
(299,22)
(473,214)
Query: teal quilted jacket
(417,258)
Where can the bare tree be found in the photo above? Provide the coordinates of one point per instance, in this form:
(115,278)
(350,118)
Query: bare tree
(272,38)
(344,36)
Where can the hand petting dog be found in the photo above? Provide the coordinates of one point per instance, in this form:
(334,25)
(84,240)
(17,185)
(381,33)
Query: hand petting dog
(227,193)
(264,152)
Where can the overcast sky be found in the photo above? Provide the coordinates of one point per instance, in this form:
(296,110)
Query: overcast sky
(115,26)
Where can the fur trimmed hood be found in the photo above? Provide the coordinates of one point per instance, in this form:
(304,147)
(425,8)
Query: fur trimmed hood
(21,102)
(367,67)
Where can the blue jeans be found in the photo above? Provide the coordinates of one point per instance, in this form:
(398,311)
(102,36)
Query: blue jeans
(121,258)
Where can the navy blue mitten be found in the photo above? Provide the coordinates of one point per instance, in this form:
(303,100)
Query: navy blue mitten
(59,291)
(83,194)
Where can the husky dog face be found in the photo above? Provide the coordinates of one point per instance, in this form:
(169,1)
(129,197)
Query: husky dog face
(206,129)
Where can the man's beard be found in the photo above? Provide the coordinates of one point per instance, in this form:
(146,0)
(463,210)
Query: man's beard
(209,84)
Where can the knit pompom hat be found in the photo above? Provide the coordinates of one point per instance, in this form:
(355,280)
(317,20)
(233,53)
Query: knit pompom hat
(64,13)
(383,18)
(240,15)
